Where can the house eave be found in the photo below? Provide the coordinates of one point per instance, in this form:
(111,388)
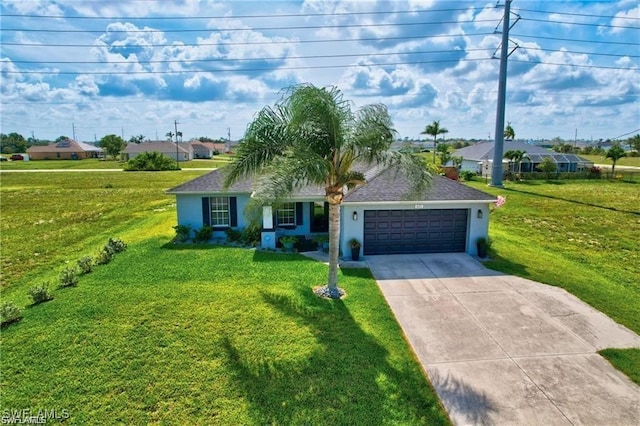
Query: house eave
(419,202)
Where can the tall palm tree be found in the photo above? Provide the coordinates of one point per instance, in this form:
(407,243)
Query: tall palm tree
(615,153)
(434,130)
(311,137)
(509,133)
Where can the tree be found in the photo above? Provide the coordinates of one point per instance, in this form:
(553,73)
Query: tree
(12,143)
(150,161)
(312,137)
(516,157)
(112,144)
(434,130)
(634,142)
(615,153)
(548,166)
(136,139)
(445,155)
(509,133)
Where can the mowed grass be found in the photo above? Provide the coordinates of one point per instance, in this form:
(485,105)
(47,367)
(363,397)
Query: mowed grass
(106,164)
(51,218)
(171,334)
(578,235)
(624,161)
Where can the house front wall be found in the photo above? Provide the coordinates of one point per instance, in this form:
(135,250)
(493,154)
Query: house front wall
(190,212)
(353,214)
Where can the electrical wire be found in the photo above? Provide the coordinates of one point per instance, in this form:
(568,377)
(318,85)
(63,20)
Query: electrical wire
(581,23)
(216,30)
(552,12)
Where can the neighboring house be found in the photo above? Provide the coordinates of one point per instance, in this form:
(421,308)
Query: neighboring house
(206,149)
(479,158)
(183,151)
(448,217)
(67,149)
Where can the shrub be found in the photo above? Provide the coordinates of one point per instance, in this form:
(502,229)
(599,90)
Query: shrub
(85,264)
(233,235)
(183,232)
(150,161)
(9,313)
(40,293)
(116,245)
(203,234)
(104,256)
(251,235)
(69,277)
(467,175)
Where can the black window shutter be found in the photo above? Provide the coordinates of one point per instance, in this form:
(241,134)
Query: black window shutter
(206,211)
(299,210)
(233,211)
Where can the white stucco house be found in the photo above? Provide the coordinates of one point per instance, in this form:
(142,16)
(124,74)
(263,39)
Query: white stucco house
(448,217)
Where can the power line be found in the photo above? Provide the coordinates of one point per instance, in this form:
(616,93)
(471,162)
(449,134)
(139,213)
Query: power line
(280,58)
(247,43)
(580,23)
(187,61)
(305,67)
(577,40)
(627,134)
(552,12)
(216,30)
(285,15)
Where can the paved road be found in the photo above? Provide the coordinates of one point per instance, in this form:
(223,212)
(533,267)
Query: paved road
(504,350)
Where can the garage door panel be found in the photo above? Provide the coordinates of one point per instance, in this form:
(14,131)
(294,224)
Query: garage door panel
(415,231)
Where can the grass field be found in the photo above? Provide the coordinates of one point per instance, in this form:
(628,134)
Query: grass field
(578,235)
(95,163)
(188,334)
(625,161)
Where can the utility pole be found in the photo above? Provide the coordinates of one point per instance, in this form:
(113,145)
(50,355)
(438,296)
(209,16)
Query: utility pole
(73,128)
(228,139)
(496,171)
(175,124)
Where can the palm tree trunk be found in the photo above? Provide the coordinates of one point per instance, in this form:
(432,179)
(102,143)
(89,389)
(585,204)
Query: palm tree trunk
(334,246)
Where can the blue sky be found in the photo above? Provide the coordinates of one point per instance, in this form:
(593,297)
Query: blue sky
(135,66)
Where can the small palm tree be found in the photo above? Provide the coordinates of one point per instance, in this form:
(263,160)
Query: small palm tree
(434,130)
(509,133)
(311,137)
(615,153)
(515,157)
(634,142)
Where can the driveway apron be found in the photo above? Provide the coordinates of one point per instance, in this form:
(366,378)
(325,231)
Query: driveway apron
(504,350)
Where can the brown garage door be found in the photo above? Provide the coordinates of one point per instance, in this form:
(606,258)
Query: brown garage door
(415,231)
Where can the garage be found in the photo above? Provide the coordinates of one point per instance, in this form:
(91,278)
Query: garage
(415,231)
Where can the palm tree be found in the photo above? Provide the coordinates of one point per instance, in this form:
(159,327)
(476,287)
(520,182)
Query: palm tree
(509,133)
(311,137)
(615,153)
(516,157)
(434,130)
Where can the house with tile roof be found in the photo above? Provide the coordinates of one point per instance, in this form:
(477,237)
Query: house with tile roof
(447,217)
(479,158)
(66,149)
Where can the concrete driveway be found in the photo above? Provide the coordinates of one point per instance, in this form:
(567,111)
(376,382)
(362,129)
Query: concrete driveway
(505,350)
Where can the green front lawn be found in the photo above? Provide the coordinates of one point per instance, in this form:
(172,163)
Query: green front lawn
(578,235)
(187,334)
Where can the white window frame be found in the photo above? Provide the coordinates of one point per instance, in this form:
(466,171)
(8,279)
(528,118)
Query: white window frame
(220,212)
(286,215)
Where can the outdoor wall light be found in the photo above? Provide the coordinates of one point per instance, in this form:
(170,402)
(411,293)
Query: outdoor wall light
(355,216)
(480,214)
